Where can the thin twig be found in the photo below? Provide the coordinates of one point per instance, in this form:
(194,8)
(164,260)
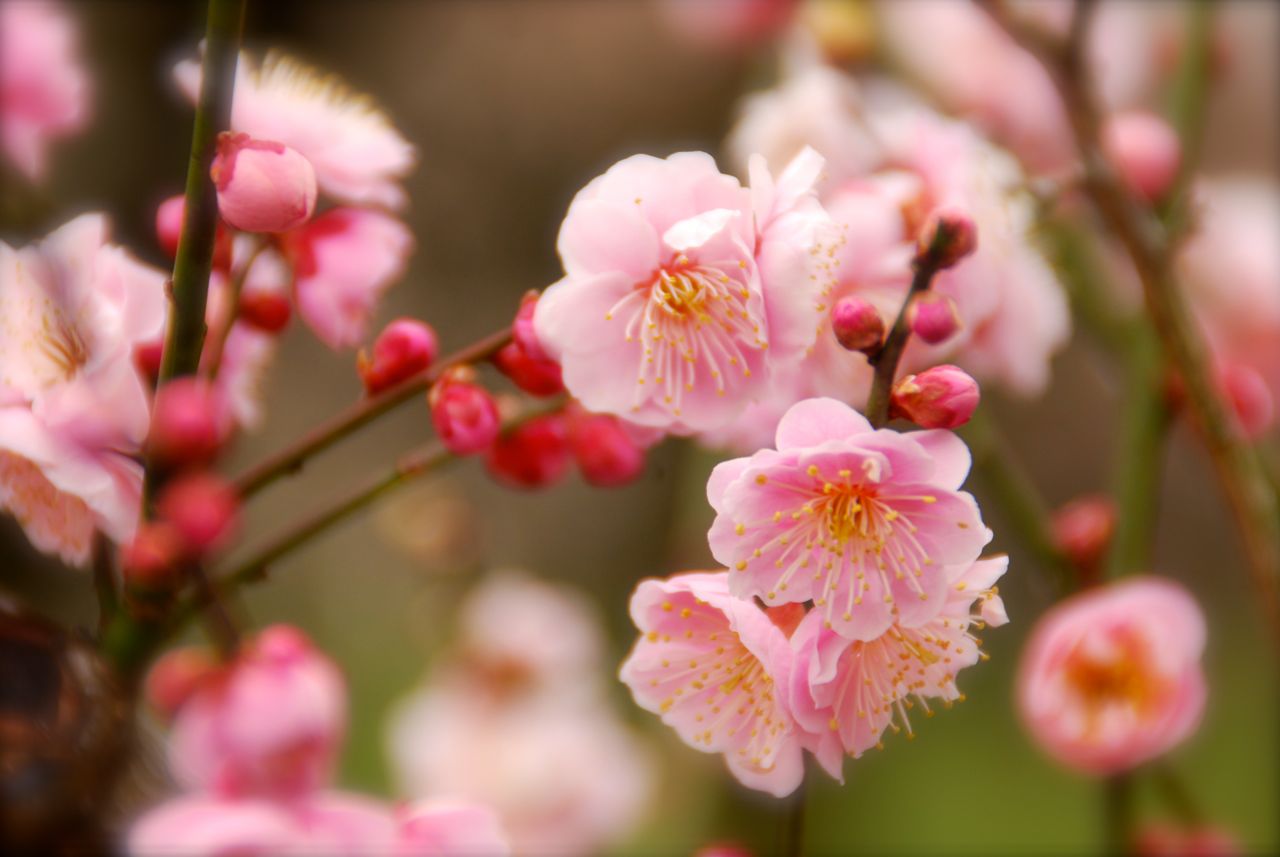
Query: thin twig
(104,583)
(885,361)
(291,459)
(218,344)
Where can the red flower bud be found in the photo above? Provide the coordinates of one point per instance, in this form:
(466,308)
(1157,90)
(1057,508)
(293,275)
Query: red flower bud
(533,455)
(177,675)
(606,454)
(265,310)
(464,414)
(262,186)
(933,318)
(1082,530)
(405,347)
(857,324)
(947,236)
(186,428)
(153,559)
(941,397)
(203,508)
(536,377)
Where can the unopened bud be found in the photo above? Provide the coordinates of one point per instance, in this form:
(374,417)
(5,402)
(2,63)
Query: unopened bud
(1082,530)
(1144,150)
(464,415)
(947,236)
(186,426)
(522,328)
(153,558)
(405,347)
(857,324)
(941,397)
(533,455)
(606,454)
(203,508)
(536,377)
(148,356)
(265,310)
(262,186)
(1249,397)
(933,318)
(177,675)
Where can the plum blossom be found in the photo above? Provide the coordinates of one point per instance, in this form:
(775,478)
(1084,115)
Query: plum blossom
(845,694)
(358,156)
(343,262)
(863,522)
(717,669)
(696,288)
(270,726)
(44,90)
(1111,677)
(73,409)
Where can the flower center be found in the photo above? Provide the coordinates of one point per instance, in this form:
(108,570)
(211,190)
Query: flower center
(1116,678)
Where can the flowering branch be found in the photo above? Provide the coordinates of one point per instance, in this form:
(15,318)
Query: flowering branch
(291,459)
(1149,244)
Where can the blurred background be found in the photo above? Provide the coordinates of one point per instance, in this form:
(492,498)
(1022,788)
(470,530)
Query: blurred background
(514,105)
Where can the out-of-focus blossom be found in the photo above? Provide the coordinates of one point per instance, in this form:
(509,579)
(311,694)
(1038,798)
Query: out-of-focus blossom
(262,186)
(445,828)
(209,826)
(153,558)
(464,415)
(845,694)
(1231,268)
(176,675)
(203,507)
(863,522)
(73,408)
(717,671)
(1082,530)
(947,236)
(271,726)
(1111,678)
(941,397)
(532,455)
(688,284)
(44,91)
(358,156)
(857,325)
(814,106)
(1162,840)
(729,23)
(186,426)
(343,262)
(1144,149)
(405,347)
(984,75)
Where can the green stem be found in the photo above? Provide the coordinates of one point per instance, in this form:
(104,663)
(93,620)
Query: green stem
(291,459)
(1176,794)
(885,361)
(793,832)
(1118,813)
(1188,102)
(104,583)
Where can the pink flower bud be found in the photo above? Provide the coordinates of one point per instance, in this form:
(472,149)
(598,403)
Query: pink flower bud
(176,675)
(186,428)
(169,216)
(933,318)
(947,236)
(536,377)
(405,347)
(522,328)
(1144,150)
(153,558)
(941,397)
(262,186)
(1159,840)
(857,324)
(533,455)
(265,310)
(606,454)
(203,508)
(1082,530)
(1249,397)
(464,415)
(270,726)
(147,356)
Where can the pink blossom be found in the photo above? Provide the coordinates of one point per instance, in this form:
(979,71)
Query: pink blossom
(863,522)
(1231,269)
(73,407)
(262,186)
(271,727)
(343,262)
(1111,677)
(716,669)
(729,23)
(1144,149)
(845,694)
(44,91)
(359,158)
(448,828)
(687,283)
(209,826)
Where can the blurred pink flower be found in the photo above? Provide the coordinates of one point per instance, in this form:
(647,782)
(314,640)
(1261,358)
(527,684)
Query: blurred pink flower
(1231,268)
(845,694)
(272,725)
(449,828)
(209,826)
(1163,840)
(73,408)
(343,262)
(44,91)
(729,23)
(864,522)
(717,669)
(1111,677)
(681,279)
(359,157)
